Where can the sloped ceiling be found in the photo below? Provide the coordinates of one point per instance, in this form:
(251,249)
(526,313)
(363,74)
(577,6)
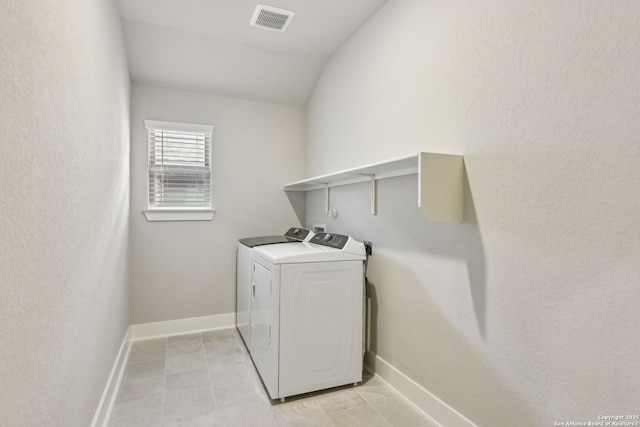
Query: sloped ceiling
(209,46)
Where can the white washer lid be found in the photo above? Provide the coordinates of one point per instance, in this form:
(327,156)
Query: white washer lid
(290,253)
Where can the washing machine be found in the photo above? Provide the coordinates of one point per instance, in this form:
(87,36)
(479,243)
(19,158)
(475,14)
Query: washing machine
(307,314)
(244,269)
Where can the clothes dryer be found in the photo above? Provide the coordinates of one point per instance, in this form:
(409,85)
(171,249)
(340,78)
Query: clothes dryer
(307,314)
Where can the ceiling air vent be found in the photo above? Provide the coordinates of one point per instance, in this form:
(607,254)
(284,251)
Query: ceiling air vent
(271,18)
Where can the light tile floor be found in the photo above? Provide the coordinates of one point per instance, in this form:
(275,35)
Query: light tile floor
(207,379)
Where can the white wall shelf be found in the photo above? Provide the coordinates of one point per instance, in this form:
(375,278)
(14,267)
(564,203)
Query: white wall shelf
(440,188)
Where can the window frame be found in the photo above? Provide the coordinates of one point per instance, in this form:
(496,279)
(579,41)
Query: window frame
(156,213)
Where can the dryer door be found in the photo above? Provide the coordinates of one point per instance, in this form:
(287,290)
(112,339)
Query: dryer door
(264,325)
(243,293)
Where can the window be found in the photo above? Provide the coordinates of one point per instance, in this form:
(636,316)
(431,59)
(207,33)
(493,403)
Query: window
(179,171)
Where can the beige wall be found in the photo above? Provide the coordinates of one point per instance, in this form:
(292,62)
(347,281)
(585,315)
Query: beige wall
(526,313)
(187,269)
(64,208)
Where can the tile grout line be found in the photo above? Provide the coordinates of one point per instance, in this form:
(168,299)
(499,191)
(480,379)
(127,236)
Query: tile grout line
(164,378)
(374,408)
(380,413)
(401,401)
(206,360)
(366,403)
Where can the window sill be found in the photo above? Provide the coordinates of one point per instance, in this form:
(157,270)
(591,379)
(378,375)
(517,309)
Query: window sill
(179,214)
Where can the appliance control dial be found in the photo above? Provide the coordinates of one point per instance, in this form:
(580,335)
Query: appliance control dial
(336,241)
(297,233)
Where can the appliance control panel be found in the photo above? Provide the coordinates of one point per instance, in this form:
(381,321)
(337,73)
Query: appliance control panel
(297,233)
(337,241)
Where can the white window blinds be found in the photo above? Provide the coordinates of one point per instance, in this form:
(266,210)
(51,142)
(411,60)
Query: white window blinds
(179,165)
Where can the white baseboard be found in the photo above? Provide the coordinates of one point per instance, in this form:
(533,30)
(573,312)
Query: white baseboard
(105,406)
(145,331)
(425,401)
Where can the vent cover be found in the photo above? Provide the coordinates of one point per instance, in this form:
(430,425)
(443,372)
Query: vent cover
(271,18)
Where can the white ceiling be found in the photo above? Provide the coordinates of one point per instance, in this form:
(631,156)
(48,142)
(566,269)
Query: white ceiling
(209,46)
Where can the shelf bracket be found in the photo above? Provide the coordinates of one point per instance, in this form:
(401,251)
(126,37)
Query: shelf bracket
(373,194)
(326,198)
(372,179)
